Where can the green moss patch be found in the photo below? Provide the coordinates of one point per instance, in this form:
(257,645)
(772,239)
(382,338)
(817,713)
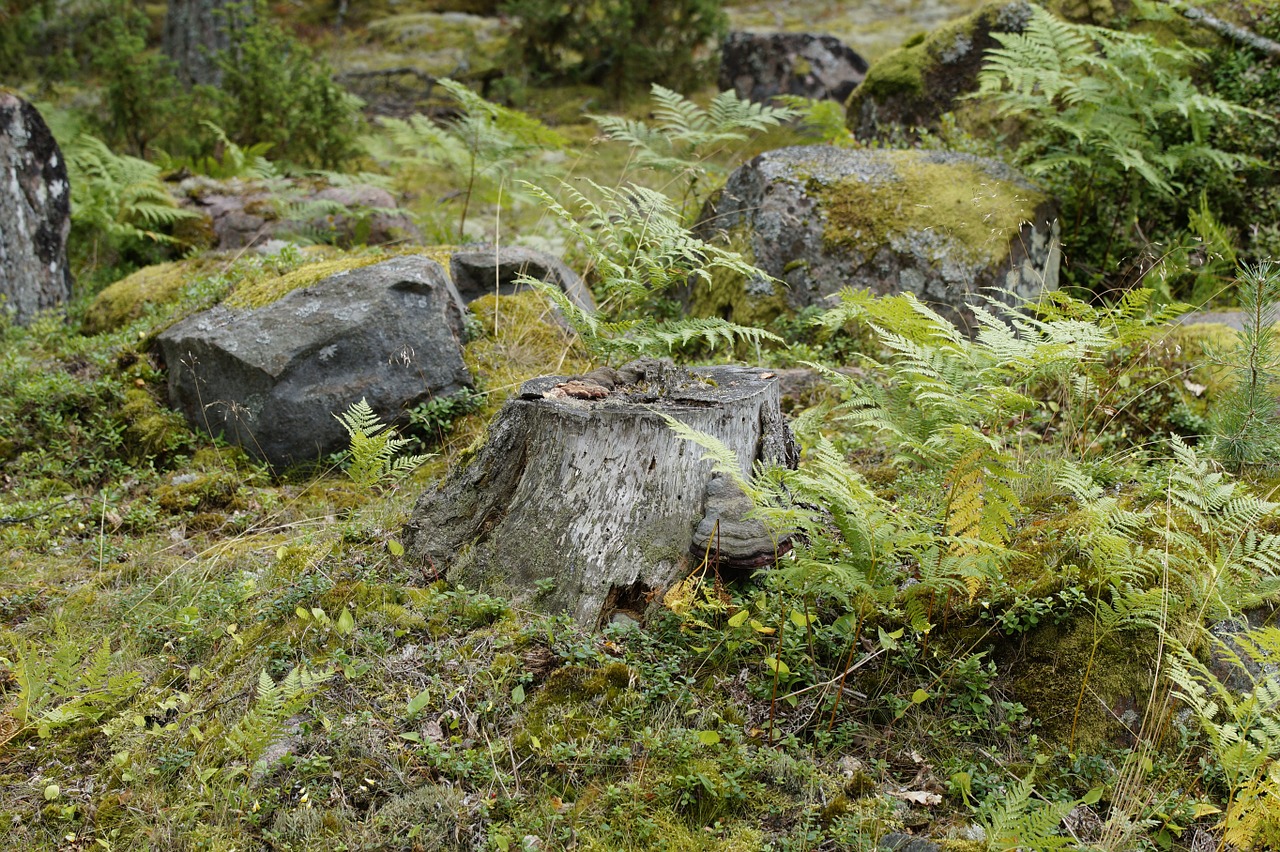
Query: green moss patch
(127,299)
(1108,675)
(731,297)
(961,201)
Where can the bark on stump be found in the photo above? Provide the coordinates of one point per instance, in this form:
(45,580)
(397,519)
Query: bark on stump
(582,500)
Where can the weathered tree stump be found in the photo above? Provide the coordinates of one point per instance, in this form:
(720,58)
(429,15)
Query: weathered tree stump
(582,500)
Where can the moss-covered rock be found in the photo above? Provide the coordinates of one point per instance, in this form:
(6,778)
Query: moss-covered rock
(941,225)
(1088,688)
(127,299)
(911,87)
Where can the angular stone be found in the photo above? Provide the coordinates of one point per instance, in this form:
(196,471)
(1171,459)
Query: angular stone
(271,379)
(759,66)
(35,209)
(480,270)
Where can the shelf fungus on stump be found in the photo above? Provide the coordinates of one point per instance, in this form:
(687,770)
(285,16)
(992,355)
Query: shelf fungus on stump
(582,500)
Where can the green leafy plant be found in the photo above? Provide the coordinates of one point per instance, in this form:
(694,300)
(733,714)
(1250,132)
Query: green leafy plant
(1112,118)
(637,252)
(372,458)
(687,140)
(486,142)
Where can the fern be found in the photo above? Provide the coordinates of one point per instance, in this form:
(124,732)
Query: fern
(231,161)
(1114,118)
(372,459)
(1243,730)
(262,724)
(119,196)
(66,690)
(1017,821)
(686,139)
(637,251)
(487,143)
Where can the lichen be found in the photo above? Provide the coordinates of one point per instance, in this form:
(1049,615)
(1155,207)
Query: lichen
(976,212)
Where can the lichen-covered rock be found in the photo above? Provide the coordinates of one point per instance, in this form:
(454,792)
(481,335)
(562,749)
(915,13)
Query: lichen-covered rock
(912,87)
(759,66)
(950,228)
(480,270)
(235,214)
(270,379)
(35,213)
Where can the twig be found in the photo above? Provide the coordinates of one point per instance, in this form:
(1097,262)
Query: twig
(22,520)
(1228,30)
(840,676)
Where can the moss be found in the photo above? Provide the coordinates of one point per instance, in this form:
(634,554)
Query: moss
(961,201)
(730,296)
(962,846)
(151,429)
(578,703)
(899,71)
(199,492)
(1047,671)
(128,298)
(259,292)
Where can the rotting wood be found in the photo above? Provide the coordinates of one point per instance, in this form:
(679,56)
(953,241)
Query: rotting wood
(583,501)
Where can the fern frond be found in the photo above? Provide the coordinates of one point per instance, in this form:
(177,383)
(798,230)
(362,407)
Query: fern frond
(372,456)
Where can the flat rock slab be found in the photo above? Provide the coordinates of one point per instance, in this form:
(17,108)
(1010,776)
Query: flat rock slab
(35,213)
(947,227)
(271,379)
(584,501)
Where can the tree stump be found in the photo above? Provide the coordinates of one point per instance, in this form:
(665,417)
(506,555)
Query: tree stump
(582,499)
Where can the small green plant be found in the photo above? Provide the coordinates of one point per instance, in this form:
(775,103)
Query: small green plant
(262,723)
(432,420)
(1246,428)
(372,459)
(1243,730)
(487,143)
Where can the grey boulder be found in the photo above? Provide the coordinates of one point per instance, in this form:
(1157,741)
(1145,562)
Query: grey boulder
(271,379)
(478,270)
(35,209)
(759,66)
(950,228)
